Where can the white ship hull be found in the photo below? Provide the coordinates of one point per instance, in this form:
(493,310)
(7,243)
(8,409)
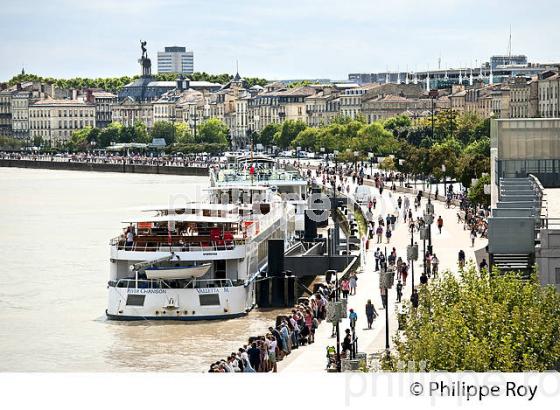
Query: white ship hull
(180,304)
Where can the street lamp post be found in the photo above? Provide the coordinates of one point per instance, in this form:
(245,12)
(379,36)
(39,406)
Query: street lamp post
(443,169)
(335,152)
(336,298)
(429,221)
(371,156)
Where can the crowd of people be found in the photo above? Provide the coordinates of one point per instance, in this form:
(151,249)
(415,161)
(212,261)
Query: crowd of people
(193,160)
(292,331)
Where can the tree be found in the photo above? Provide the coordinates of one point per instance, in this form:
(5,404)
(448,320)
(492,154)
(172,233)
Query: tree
(476,192)
(266,136)
(307,139)
(482,322)
(289,131)
(109,135)
(79,141)
(165,130)
(375,138)
(10,143)
(388,164)
(141,133)
(126,134)
(212,131)
(183,133)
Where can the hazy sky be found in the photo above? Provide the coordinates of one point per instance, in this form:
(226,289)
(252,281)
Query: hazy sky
(278,39)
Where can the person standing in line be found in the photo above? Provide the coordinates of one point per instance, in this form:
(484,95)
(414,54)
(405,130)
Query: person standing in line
(371,313)
(347,343)
(345,287)
(440,223)
(353,283)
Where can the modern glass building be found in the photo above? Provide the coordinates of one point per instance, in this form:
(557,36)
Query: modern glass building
(175,60)
(524,146)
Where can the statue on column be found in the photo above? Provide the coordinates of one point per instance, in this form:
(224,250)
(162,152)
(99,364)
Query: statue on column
(144,50)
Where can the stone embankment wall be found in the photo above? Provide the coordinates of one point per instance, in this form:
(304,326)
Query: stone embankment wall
(85,166)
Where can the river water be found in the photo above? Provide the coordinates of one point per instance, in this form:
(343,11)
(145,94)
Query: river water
(55,228)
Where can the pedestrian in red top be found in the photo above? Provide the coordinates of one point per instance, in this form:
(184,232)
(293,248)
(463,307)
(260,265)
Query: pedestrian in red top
(440,223)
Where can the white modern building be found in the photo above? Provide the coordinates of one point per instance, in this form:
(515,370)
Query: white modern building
(175,60)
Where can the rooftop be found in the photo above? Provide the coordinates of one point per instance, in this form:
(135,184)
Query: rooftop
(53,102)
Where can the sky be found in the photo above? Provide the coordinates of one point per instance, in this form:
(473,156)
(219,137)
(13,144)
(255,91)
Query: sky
(280,39)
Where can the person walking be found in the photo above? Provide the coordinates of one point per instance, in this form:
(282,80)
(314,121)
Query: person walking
(435,265)
(473,237)
(371,313)
(388,234)
(483,264)
(461,259)
(440,223)
(404,273)
(383,292)
(379,233)
(376,255)
(399,291)
(399,202)
(353,316)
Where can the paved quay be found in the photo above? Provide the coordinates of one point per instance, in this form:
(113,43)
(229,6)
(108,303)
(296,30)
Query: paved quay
(445,245)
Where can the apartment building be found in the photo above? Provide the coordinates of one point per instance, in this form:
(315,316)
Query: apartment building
(549,99)
(56,120)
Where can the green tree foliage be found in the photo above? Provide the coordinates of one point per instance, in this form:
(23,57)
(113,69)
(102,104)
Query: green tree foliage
(109,135)
(307,139)
(212,131)
(374,138)
(141,133)
(8,143)
(476,192)
(80,139)
(482,322)
(115,84)
(183,133)
(289,131)
(165,130)
(266,136)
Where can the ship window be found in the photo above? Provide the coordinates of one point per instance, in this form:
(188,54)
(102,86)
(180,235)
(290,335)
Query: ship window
(135,300)
(209,300)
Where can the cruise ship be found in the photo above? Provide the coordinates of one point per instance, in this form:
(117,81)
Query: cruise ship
(200,260)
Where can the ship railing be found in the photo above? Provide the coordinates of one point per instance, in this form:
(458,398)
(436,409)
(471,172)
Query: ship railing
(163,284)
(209,283)
(138,246)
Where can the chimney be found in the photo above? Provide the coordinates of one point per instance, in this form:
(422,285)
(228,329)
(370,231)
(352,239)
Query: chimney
(18,86)
(89,95)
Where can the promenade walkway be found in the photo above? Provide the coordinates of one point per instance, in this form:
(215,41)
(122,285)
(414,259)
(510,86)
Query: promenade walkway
(445,245)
